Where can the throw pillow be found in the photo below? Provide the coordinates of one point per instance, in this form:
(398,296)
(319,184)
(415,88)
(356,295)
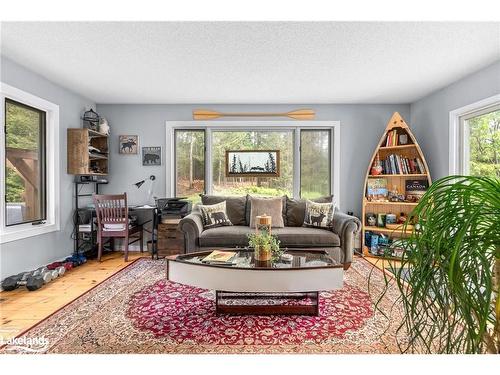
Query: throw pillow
(214,215)
(296,210)
(235,206)
(319,215)
(270,206)
(249,209)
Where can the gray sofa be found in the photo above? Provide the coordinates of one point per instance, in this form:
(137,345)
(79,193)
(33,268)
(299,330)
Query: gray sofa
(338,241)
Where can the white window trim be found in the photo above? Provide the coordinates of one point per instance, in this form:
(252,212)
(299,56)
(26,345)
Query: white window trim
(52,223)
(209,126)
(458,137)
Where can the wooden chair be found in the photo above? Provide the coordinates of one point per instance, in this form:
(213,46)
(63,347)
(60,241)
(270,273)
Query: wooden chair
(113,209)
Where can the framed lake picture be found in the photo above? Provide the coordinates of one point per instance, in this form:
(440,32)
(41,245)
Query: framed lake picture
(253,163)
(128,144)
(151,156)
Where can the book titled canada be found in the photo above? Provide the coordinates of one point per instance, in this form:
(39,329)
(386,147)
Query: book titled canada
(219,257)
(415,189)
(376,190)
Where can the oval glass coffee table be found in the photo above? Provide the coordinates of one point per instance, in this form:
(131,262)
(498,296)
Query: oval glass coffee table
(247,286)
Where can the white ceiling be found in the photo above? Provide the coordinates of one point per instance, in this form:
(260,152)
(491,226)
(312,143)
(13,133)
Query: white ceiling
(245,62)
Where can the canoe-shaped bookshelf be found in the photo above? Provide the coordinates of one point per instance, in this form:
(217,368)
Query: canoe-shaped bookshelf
(396,176)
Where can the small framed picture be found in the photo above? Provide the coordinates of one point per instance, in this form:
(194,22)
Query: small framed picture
(151,156)
(128,144)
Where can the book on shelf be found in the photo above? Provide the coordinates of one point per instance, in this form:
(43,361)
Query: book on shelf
(392,138)
(397,164)
(376,190)
(220,257)
(415,189)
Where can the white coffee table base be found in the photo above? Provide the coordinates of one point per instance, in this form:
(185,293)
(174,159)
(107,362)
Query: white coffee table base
(253,284)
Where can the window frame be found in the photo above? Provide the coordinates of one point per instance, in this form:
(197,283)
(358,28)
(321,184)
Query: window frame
(42,156)
(295,126)
(51,223)
(174,159)
(458,141)
(330,157)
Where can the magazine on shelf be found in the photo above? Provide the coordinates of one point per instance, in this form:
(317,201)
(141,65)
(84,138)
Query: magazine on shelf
(415,189)
(219,257)
(377,189)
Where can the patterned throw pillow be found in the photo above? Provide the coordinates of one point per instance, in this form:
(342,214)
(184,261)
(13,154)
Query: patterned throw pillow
(319,215)
(214,215)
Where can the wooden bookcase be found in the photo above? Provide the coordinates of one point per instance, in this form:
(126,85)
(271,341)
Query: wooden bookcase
(80,160)
(410,150)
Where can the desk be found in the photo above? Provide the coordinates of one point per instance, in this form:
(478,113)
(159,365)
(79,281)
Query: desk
(91,242)
(155,220)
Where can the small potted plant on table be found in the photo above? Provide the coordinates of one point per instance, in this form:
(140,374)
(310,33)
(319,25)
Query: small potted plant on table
(266,246)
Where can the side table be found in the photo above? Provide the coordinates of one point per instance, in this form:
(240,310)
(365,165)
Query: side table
(170,238)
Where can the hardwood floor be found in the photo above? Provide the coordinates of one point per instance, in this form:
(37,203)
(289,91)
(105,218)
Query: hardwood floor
(21,309)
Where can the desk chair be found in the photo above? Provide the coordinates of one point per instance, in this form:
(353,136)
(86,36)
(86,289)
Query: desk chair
(112,221)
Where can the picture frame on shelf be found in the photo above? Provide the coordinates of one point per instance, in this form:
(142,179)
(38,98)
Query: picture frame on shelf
(151,156)
(128,144)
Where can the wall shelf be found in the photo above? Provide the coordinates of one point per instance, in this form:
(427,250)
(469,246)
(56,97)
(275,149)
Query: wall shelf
(399,175)
(80,161)
(392,203)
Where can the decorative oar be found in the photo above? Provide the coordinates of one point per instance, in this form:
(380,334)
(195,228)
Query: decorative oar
(299,114)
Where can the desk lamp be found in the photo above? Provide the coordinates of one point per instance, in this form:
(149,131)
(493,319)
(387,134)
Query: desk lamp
(151,178)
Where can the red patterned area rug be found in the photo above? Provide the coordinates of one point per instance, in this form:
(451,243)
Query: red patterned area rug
(138,311)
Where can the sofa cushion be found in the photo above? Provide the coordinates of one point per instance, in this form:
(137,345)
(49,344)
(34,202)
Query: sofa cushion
(235,206)
(226,236)
(270,206)
(214,215)
(306,237)
(319,214)
(296,210)
(249,209)
(290,237)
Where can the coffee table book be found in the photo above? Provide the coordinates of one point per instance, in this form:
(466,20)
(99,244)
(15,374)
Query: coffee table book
(411,166)
(219,257)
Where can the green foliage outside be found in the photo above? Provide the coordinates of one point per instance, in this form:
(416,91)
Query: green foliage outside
(314,163)
(484,140)
(23,132)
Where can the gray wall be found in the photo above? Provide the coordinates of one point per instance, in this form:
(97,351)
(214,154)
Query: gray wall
(361,128)
(33,252)
(430,115)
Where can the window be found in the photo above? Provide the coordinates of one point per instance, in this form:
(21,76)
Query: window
(315,163)
(481,143)
(475,139)
(252,140)
(29,165)
(189,163)
(25,164)
(309,158)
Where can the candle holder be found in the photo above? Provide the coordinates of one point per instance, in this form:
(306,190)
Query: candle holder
(263,222)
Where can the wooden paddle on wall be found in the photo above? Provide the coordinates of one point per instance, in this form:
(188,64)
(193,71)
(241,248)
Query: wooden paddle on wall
(299,114)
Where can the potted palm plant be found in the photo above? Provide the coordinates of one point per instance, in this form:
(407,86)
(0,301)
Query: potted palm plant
(449,276)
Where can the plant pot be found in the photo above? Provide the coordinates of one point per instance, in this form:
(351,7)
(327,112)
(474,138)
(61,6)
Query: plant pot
(263,253)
